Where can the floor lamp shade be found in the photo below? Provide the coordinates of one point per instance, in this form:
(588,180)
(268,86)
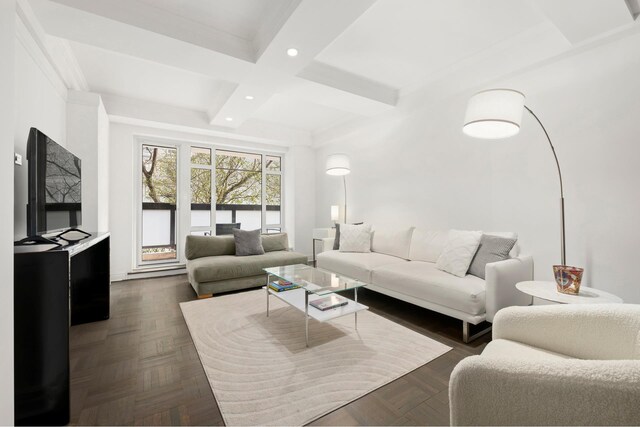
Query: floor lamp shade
(335,213)
(338,164)
(494,114)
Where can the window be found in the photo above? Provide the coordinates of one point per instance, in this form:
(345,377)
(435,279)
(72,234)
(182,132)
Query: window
(201,184)
(180,185)
(159,195)
(273,184)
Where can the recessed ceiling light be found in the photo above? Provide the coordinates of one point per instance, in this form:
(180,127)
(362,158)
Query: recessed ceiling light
(249,97)
(292,51)
(229,119)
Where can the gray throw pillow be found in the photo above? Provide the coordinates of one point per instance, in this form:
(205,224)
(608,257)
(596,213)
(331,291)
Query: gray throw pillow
(491,249)
(336,240)
(248,242)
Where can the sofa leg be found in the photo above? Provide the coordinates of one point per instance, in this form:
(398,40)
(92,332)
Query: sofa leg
(466,338)
(205,296)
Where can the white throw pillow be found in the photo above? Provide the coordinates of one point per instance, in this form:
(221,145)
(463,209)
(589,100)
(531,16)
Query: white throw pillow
(355,238)
(459,251)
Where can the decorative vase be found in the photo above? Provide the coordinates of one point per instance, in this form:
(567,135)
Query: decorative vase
(568,279)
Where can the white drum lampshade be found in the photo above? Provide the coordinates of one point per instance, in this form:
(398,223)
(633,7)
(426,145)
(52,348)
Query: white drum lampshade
(335,213)
(494,114)
(338,164)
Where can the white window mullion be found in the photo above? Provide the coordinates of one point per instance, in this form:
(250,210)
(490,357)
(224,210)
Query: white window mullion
(184,194)
(263,210)
(213,191)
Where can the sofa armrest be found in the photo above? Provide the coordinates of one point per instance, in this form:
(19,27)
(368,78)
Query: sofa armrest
(501,278)
(597,331)
(327,244)
(503,391)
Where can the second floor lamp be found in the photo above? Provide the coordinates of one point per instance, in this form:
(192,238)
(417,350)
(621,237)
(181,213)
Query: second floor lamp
(339,165)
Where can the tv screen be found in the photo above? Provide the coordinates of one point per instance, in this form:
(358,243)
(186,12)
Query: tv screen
(55,186)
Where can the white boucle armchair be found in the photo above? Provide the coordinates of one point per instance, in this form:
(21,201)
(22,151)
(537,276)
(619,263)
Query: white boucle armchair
(553,365)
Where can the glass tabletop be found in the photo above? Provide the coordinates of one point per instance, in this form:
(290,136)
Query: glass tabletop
(315,280)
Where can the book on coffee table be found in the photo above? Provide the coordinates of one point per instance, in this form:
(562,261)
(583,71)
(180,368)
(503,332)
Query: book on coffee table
(327,303)
(282,286)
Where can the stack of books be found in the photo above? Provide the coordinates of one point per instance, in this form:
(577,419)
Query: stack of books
(282,285)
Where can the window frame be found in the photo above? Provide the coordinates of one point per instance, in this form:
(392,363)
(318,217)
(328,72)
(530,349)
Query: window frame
(139,262)
(183,197)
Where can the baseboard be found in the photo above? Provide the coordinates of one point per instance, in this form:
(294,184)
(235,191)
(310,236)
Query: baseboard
(118,277)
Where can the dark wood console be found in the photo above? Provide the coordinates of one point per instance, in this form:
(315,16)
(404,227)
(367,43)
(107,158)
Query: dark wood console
(54,289)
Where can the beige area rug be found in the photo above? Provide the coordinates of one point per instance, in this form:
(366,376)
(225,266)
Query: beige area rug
(261,373)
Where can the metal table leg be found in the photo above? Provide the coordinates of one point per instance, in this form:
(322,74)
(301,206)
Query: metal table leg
(355,291)
(267,289)
(306,317)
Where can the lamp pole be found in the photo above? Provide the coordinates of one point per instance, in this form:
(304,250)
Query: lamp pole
(553,150)
(344,181)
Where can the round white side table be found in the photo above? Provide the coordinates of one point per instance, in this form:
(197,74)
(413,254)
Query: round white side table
(547,291)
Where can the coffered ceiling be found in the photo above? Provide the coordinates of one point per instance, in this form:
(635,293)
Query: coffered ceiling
(224,63)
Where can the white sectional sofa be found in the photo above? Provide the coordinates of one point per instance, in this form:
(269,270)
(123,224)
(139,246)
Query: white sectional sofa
(401,264)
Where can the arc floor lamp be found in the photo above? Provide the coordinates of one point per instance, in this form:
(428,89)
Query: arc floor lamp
(497,113)
(339,165)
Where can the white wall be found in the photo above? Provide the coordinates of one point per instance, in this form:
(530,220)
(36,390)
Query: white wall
(122,189)
(413,169)
(88,138)
(303,187)
(416,167)
(7,70)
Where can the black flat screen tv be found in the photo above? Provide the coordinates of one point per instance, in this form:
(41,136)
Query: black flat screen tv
(55,186)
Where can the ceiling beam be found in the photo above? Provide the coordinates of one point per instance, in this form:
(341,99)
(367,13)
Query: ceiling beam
(91,29)
(160,21)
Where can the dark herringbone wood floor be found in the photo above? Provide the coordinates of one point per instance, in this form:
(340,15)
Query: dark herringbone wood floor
(141,367)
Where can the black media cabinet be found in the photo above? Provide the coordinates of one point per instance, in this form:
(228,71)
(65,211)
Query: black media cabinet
(53,290)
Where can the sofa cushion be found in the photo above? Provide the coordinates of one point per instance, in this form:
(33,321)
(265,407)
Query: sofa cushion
(356,265)
(427,245)
(275,242)
(204,246)
(512,350)
(394,242)
(223,267)
(423,280)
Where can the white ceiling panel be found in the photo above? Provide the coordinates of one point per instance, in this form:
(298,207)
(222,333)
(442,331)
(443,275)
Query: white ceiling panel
(300,114)
(117,74)
(403,43)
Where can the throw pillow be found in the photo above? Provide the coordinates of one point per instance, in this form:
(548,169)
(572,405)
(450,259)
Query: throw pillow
(248,242)
(491,249)
(355,238)
(459,251)
(336,239)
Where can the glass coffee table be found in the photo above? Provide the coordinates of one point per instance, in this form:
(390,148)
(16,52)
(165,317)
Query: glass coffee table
(314,283)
